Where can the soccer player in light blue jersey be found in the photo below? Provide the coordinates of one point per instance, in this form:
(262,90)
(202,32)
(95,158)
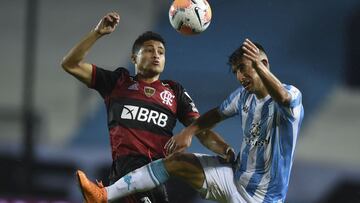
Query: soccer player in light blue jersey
(270,115)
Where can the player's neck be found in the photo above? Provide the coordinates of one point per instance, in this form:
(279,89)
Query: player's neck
(147,79)
(262,93)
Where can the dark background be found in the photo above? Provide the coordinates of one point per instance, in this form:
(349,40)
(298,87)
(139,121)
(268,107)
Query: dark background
(51,124)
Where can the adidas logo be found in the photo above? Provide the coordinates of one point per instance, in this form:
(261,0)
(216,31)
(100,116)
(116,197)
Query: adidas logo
(133,87)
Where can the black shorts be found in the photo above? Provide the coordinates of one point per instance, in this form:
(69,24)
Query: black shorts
(122,166)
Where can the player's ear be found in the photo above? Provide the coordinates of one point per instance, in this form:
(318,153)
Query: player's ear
(133,58)
(265,62)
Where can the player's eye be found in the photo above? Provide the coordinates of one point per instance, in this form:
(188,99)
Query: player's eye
(235,70)
(149,50)
(240,68)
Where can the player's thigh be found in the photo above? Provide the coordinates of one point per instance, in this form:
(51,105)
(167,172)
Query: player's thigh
(187,167)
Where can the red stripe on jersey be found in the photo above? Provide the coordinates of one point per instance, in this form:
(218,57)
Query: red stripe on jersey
(162,95)
(193,114)
(125,141)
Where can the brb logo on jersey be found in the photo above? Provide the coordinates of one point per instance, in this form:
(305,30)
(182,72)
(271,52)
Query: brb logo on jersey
(142,114)
(167,97)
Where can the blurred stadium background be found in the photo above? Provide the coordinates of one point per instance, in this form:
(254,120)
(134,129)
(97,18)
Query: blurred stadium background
(51,124)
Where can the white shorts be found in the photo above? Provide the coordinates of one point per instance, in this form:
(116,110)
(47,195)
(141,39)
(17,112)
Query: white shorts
(219,184)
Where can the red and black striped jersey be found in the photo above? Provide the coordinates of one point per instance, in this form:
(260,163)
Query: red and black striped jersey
(141,116)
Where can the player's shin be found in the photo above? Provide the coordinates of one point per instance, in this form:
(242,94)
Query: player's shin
(142,179)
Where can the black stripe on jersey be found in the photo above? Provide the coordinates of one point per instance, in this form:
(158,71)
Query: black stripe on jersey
(138,114)
(185,105)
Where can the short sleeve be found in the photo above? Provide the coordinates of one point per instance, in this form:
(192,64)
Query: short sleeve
(104,81)
(230,106)
(295,102)
(186,108)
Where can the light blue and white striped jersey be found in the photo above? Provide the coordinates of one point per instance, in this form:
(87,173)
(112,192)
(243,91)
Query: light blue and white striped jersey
(269,137)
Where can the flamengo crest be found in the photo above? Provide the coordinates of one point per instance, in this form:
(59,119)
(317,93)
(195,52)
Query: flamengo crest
(167,97)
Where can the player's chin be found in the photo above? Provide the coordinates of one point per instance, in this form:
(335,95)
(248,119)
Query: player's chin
(157,69)
(250,89)
(247,87)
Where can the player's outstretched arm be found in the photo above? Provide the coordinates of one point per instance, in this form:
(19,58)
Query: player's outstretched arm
(182,140)
(271,82)
(73,62)
(214,142)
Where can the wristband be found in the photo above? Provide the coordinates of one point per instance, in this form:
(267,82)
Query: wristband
(228,149)
(226,152)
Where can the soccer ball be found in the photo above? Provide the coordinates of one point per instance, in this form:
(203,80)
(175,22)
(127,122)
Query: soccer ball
(190,17)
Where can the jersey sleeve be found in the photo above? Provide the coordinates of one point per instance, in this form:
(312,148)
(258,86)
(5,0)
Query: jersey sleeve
(186,109)
(290,111)
(231,105)
(104,81)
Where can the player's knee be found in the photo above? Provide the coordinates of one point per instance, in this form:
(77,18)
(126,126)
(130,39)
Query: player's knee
(186,167)
(179,163)
(173,161)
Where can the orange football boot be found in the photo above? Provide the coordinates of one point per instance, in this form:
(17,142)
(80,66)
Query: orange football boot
(92,193)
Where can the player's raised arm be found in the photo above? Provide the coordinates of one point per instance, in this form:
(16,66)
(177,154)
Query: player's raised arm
(73,62)
(260,63)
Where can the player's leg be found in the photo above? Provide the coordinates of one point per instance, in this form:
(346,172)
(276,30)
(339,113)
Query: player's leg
(219,182)
(122,166)
(184,166)
(156,195)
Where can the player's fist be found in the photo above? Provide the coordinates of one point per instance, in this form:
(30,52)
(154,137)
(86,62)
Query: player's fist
(108,23)
(252,52)
(178,143)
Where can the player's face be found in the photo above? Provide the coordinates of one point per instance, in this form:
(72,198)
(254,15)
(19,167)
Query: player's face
(246,75)
(150,59)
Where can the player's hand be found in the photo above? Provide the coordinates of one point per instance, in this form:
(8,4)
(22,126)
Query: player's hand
(108,23)
(228,157)
(252,53)
(178,143)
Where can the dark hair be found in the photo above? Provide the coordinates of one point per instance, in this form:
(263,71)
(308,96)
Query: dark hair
(146,36)
(239,52)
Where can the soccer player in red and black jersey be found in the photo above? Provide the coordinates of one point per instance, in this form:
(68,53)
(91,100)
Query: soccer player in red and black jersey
(141,110)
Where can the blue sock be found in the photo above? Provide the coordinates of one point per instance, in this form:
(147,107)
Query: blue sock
(158,171)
